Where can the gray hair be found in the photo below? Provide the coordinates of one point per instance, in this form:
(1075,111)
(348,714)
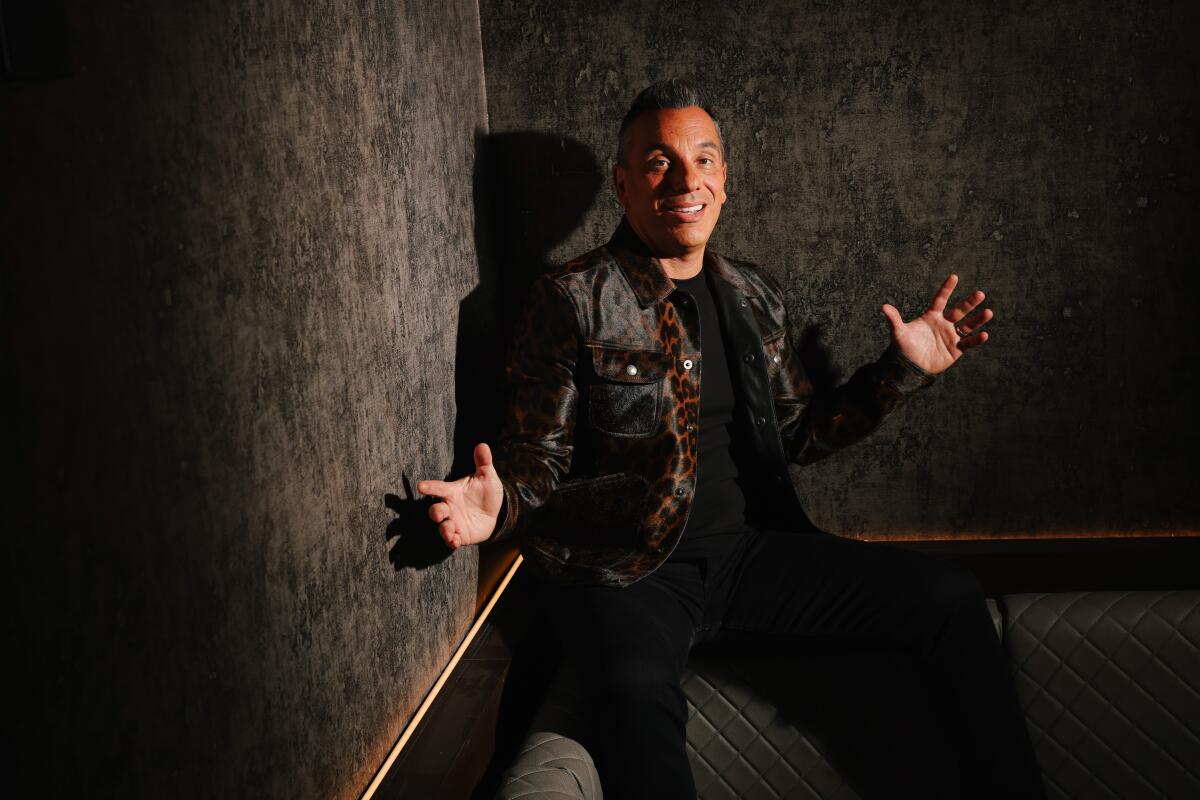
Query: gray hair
(671,93)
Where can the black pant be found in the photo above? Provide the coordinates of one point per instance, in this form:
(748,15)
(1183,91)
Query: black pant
(632,646)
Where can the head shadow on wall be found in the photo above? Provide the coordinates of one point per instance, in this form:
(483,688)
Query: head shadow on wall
(531,191)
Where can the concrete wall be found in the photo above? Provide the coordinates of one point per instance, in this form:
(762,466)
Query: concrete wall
(236,242)
(1045,152)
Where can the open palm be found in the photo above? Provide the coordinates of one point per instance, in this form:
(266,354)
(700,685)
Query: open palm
(938,338)
(469,506)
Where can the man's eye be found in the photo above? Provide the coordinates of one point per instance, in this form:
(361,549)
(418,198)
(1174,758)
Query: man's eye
(658,162)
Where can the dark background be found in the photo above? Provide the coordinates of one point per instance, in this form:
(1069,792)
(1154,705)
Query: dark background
(259,260)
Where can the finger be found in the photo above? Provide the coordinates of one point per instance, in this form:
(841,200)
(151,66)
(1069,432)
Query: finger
(439,512)
(965,306)
(973,341)
(483,457)
(435,488)
(893,316)
(968,326)
(943,294)
(449,532)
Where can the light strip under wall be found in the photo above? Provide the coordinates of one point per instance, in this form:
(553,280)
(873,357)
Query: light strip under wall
(437,687)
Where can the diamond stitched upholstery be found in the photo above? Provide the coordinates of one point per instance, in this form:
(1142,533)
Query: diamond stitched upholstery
(741,745)
(551,767)
(1110,684)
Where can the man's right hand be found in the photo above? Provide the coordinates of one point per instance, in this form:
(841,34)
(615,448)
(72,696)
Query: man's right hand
(470,505)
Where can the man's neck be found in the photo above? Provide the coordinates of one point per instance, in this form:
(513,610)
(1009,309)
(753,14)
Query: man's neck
(687,266)
(684,265)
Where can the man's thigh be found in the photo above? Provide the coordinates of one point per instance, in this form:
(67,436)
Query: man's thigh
(828,600)
(827,586)
(605,629)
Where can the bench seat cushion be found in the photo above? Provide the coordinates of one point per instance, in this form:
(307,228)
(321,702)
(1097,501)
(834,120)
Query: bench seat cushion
(551,766)
(1110,684)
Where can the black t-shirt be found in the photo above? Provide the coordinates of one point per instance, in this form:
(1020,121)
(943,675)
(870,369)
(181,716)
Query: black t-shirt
(718,512)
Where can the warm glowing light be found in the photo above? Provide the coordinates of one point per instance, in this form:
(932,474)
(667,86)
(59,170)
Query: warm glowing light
(959,536)
(437,687)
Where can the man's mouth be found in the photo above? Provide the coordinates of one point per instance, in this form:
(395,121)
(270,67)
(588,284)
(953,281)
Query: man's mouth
(685,213)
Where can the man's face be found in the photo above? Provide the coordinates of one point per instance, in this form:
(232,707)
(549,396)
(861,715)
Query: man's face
(672,185)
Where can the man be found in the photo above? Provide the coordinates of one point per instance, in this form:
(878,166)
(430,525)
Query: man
(681,521)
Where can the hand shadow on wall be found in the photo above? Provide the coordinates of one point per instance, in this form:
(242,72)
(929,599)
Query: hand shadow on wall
(531,191)
(418,544)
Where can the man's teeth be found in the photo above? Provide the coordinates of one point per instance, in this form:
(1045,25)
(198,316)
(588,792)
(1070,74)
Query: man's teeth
(688,209)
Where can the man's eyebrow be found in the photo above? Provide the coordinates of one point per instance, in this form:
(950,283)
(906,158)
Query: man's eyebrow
(650,148)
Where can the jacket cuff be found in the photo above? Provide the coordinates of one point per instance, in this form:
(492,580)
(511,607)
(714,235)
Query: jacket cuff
(901,373)
(506,520)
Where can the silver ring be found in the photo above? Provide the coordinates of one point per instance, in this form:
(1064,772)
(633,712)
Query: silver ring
(959,331)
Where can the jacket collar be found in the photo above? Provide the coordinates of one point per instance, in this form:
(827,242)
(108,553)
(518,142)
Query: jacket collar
(642,270)
(727,272)
(646,276)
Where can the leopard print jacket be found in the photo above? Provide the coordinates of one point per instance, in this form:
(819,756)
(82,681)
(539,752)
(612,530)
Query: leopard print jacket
(598,454)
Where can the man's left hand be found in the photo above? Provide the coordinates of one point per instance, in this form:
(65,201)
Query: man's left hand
(938,338)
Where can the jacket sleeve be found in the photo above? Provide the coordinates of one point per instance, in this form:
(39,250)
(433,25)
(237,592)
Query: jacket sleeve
(816,424)
(533,451)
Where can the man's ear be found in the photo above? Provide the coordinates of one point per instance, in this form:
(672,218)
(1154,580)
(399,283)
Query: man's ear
(724,179)
(619,183)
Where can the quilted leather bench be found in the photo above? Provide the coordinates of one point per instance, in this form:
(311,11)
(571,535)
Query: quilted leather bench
(1110,684)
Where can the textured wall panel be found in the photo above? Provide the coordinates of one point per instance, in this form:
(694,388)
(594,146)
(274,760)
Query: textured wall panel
(238,243)
(1045,152)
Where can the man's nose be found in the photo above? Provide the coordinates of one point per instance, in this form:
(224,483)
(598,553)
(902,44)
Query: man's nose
(685,178)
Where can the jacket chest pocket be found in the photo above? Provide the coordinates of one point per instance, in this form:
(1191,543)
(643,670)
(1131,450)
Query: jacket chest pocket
(781,368)
(626,397)
(789,383)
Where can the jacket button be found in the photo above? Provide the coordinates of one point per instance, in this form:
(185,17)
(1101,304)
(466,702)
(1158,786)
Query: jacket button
(630,369)
(690,427)
(748,358)
(688,363)
(776,358)
(743,302)
(564,553)
(760,421)
(679,491)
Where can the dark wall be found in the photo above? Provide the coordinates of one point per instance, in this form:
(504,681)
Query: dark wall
(1046,153)
(236,243)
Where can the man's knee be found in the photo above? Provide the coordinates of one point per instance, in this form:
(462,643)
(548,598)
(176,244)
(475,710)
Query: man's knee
(956,586)
(638,680)
(948,591)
